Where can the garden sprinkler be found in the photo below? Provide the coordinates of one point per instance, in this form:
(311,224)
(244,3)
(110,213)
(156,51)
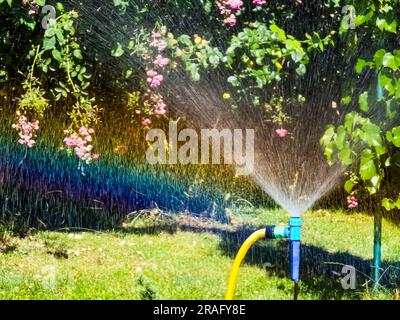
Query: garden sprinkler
(291,232)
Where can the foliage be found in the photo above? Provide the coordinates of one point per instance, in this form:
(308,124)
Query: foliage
(267,45)
(369,138)
(256,57)
(61,51)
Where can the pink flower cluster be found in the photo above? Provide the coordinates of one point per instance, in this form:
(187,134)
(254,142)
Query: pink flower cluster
(282,133)
(157,41)
(259,2)
(154,78)
(159,106)
(35,9)
(146,122)
(352,201)
(161,61)
(229,9)
(81,143)
(235,4)
(26,130)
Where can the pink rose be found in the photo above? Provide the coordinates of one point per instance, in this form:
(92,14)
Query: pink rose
(146,122)
(235,4)
(161,61)
(282,133)
(259,2)
(231,20)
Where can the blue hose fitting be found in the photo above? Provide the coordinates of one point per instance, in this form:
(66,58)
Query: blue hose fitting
(276,232)
(295,237)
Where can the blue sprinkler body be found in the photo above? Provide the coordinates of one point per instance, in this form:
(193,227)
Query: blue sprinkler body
(293,233)
(295,237)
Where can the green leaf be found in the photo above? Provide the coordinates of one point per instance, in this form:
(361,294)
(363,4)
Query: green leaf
(78,54)
(194,72)
(118,51)
(367,169)
(186,40)
(328,136)
(60,7)
(345,156)
(345,100)
(128,73)
(56,55)
(329,149)
(375,181)
(60,36)
(361,64)
(348,186)
(350,121)
(394,136)
(49,43)
(378,58)
(340,137)
(233,80)
(388,204)
(381,24)
(363,101)
(371,134)
(301,70)
(386,83)
(296,56)
(280,32)
(392,27)
(214,60)
(390,61)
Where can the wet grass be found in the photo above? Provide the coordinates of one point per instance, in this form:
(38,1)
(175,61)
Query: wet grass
(191,263)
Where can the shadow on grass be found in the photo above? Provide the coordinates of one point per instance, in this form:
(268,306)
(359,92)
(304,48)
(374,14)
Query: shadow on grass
(321,270)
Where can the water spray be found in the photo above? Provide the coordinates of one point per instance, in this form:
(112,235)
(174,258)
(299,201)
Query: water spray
(291,232)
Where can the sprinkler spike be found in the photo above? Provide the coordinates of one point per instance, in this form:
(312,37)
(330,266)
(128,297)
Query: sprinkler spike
(296,291)
(295,260)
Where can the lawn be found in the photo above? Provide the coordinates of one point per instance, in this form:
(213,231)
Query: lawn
(192,261)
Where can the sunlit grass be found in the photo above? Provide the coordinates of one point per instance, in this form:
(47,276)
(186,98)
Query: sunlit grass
(185,265)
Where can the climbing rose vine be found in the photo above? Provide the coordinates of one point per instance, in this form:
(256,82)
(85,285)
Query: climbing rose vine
(26,130)
(81,143)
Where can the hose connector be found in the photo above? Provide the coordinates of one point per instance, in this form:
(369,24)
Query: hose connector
(277,232)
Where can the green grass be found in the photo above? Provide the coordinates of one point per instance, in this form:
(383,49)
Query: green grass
(191,264)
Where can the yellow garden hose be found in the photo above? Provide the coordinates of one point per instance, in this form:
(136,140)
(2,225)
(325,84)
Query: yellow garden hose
(239,259)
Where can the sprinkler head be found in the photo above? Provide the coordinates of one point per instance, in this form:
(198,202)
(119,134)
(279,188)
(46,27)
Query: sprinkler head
(295,228)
